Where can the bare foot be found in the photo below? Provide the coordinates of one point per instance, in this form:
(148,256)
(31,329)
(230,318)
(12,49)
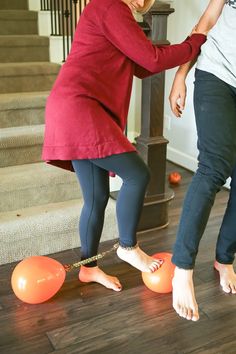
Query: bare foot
(184,301)
(95,274)
(138,259)
(227,277)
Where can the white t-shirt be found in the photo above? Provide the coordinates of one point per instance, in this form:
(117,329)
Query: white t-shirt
(218,53)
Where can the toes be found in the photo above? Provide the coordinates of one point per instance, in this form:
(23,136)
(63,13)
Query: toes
(234,289)
(195,314)
(195,317)
(117,287)
(155,264)
(226,288)
(189,314)
(159,262)
(183,312)
(153,267)
(177,308)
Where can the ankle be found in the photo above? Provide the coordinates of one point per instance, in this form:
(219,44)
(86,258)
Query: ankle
(223,266)
(183,273)
(128,248)
(85,269)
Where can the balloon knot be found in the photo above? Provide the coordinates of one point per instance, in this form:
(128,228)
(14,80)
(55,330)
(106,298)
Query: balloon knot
(67,267)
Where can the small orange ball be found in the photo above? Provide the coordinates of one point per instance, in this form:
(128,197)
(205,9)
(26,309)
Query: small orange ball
(174,177)
(160,281)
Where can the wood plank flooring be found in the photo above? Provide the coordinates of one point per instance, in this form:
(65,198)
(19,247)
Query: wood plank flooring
(87,318)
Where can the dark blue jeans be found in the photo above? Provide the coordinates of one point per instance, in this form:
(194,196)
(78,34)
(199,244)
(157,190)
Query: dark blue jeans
(215,112)
(93,177)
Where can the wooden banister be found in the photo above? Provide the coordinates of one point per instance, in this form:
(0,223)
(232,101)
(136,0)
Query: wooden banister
(151,144)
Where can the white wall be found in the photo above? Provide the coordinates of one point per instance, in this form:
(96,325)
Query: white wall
(34,5)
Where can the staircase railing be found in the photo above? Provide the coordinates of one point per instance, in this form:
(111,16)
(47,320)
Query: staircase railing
(64,17)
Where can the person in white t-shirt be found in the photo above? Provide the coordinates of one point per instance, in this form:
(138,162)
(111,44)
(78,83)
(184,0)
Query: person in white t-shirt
(215,113)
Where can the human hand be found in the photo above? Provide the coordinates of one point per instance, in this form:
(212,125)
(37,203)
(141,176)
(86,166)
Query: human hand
(178,96)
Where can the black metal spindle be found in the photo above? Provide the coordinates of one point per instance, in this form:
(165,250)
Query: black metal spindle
(51,13)
(63,30)
(55,16)
(59,17)
(80,7)
(64,16)
(67,15)
(75,12)
(71,21)
(45,5)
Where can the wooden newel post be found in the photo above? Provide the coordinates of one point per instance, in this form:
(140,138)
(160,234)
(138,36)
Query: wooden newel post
(151,144)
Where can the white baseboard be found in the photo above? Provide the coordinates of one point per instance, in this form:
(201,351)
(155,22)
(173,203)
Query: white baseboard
(181,159)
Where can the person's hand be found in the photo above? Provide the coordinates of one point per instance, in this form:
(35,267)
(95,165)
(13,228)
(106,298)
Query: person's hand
(178,96)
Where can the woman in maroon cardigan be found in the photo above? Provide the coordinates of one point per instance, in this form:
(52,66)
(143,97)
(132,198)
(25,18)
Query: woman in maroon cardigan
(86,115)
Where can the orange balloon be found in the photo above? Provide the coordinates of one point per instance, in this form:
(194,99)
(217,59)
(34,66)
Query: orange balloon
(160,281)
(36,279)
(174,177)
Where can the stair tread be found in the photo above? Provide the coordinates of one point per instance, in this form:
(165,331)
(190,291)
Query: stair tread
(15,14)
(24,130)
(21,100)
(61,207)
(47,229)
(23,40)
(17,136)
(17,4)
(28,68)
(26,176)
(60,210)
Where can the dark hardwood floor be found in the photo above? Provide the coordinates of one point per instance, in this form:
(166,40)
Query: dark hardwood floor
(87,318)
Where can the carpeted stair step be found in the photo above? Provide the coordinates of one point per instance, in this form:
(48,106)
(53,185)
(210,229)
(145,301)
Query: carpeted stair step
(46,229)
(25,77)
(18,22)
(23,48)
(21,145)
(26,108)
(29,185)
(14,4)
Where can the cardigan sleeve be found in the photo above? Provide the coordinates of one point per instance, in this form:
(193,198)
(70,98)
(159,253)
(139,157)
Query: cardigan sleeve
(122,30)
(140,72)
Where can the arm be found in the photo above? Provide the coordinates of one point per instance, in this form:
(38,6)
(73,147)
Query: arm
(121,29)
(140,72)
(178,91)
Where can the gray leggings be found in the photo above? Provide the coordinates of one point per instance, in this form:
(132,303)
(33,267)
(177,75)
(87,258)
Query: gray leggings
(93,176)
